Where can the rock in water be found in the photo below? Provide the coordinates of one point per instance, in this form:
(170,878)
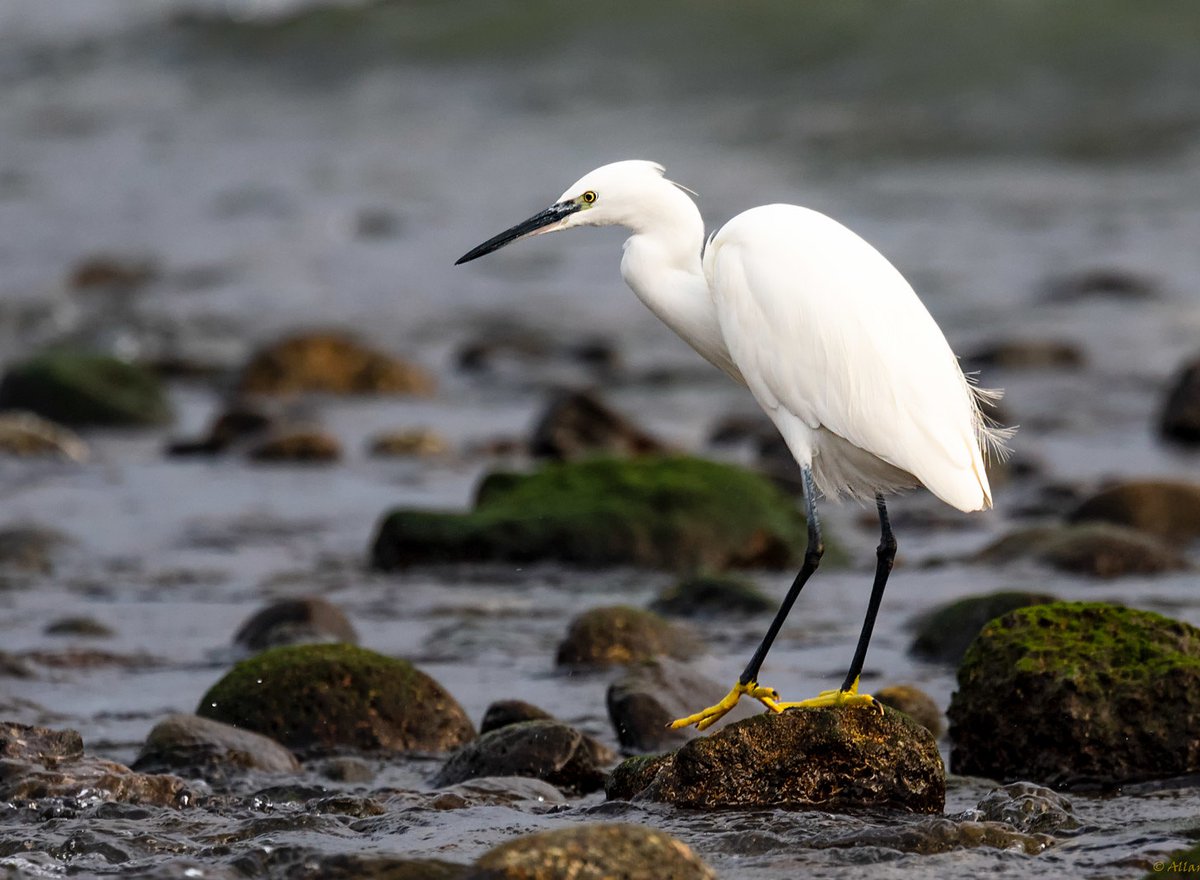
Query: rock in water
(1180,421)
(914,703)
(502,713)
(830,759)
(293,622)
(1078,691)
(1095,549)
(619,634)
(712,595)
(548,750)
(322,698)
(80,388)
(675,512)
(945,633)
(25,435)
(578,424)
(330,363)
(592,852)
(194,745)
(1167,510)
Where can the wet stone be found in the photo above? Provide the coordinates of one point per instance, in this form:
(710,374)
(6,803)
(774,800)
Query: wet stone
(578,423)
(1079,690)
(330,363)
(240,423)
(191,745)
(25,435)
(1180,419)
(592,852)
(30,548)
(310,446)
(712,595)
(41,764)
(323,698)
(415,442)
(82,388)
(306,620)
(78,626)
(831,759)
(1167,510)
(1102,282)
(303,863)
(677,513)
(914,703)
(548,750)
(515,791)
(1028,354)
(505,712)
(619,634)
(1028,808)
(945,633)
(345,768)
(650,695)
(1099,550)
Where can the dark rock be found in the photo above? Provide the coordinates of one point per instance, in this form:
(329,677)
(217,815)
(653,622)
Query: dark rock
(1096,549)
(345,768)
(418,442)
(676,512)
(1111,283)
(321,698)
(1074,691)
(517,791)
(30,548)
(505,712)
(831,759)
(914,703)
(633,776)
(712,595)
(25,435)
(191,745)
(945,633)
(241,422)
(652,694)
(548,750)
(1167,510)
(302,863)
(330,363)
(592,852)
(577,424)
(104,271)
(1029,808)
(78,626)
(78,388)
(41,763)
(299,445)
(1028,354)
(618,634)
(293,622)
(1180,419)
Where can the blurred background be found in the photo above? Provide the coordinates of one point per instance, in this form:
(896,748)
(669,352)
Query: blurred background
(185,181)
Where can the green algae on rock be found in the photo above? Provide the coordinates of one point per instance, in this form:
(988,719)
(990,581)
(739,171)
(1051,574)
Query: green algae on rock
(322,698)
(617,634)
(674,512)
(945,633)
(1078,692)
(82,388)
(840,758)
(592,852)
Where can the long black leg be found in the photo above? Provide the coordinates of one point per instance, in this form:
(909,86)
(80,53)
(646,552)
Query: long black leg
(885,554)
(812,558)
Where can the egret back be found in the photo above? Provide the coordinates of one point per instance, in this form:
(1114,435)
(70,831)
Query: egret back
(831,340)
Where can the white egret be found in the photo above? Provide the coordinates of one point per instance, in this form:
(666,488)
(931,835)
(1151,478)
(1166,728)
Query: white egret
(830,339)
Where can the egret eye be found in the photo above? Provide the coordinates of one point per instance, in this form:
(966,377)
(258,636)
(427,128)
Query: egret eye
(589,197)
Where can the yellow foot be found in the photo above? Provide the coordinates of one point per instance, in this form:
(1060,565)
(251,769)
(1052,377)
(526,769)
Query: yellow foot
(705,718)
(837,697)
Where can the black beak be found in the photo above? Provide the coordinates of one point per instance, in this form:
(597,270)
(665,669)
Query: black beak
(538,221)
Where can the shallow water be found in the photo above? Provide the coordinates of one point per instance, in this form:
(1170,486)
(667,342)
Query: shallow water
(239,159)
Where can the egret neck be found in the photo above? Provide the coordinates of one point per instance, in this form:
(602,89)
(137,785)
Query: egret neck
(662,265)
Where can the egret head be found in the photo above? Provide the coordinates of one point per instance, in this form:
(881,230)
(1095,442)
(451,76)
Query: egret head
(611,195)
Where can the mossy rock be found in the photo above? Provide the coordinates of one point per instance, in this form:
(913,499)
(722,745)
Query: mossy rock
(712,595)
(1078,692)
(945,633)
(592,852)
(676,513)
(836,758)
(618,634)
(79,388)
(323,698)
